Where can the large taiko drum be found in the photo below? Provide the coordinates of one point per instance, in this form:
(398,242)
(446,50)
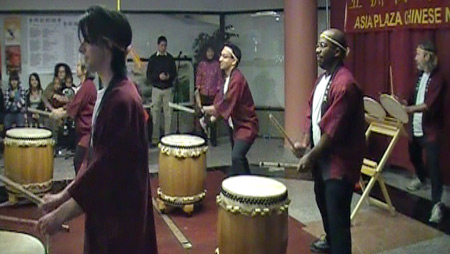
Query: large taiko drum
(182,170)
(29,160)
(253,216)
(19,243)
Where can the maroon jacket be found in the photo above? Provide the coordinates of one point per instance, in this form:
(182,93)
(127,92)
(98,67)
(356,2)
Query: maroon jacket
(81,109)
(343,120)
(114,191)
(432,118)
(238,104)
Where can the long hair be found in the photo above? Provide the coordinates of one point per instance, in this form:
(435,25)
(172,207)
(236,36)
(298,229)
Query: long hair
(36,76)
(66,69)
(109,29)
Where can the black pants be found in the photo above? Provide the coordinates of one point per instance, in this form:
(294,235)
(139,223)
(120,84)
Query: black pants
(333,198)
(416,146)
(239,162)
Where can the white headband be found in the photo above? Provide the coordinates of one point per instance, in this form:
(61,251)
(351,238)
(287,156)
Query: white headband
(336,43)
(230,50)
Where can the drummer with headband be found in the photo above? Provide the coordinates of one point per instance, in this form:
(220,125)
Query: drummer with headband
(426,104)
(334,141)
(234,103)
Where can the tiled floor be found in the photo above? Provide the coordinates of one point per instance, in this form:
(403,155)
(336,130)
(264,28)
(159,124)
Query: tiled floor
(374,230)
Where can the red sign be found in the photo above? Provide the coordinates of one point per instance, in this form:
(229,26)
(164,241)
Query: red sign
(382,15)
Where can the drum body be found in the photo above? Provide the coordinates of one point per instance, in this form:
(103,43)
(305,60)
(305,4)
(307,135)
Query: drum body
(253,216)
(29,159)
(19,243)
(182,169)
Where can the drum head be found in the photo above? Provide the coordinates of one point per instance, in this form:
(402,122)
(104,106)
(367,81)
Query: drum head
(373,107)
(253,187)
(182,141)
(19,243)
(394,108)
(28,133)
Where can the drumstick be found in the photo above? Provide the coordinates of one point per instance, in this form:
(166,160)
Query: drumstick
(27,221)
(28,194)
(277,164)
(392,81)
(175,106)
(281,130)
(182,108)
(37,111)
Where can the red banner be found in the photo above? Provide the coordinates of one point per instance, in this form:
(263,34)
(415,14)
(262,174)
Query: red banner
(382,15)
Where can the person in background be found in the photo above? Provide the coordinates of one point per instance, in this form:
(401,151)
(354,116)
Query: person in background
(161,72)
(62,71)
(80,109)
(52,96)
(208,81)
(426,105)
(15,104)
(34,99)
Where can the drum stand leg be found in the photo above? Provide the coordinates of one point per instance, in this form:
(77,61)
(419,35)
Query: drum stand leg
(189,209)
(162,207)
(12,199)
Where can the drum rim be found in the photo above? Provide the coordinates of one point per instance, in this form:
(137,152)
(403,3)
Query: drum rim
(46,136)
(29,236)
(263,201)
(375,103)
(403,117)
(183,146)
(255,200)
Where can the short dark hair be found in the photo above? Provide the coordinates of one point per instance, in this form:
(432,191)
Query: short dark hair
(100,26)
(161,39)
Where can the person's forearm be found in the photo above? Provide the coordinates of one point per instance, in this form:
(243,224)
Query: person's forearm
(69,210)
(321,146)
(418,108)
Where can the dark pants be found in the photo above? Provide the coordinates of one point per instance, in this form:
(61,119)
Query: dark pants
(333,198)
(79,156)
(416,146)
(206,101)
(13,118)
(239,162)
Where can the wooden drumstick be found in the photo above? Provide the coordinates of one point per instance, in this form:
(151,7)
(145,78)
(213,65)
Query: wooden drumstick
(27,221)
(391,79)
(173,105)
(28,194)
(277,164)
(37,111)
(281,130)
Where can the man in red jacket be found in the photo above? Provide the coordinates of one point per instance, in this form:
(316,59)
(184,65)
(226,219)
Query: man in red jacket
(234,103)
(335,141)
(114,191)
(426,106)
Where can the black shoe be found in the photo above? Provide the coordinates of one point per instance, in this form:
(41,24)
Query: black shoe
(320,246)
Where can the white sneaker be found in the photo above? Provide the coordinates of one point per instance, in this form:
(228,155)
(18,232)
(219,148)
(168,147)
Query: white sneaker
(437,213)
(415,185)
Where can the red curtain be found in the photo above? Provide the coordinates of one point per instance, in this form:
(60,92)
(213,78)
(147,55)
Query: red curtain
(371,55)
